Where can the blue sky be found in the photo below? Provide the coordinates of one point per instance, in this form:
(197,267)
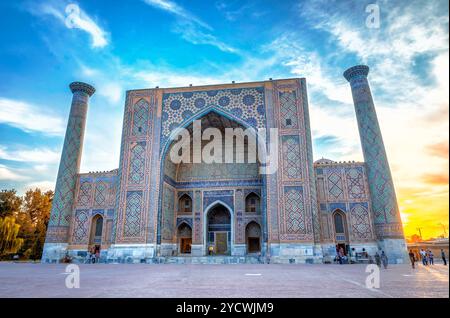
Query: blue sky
(117,46)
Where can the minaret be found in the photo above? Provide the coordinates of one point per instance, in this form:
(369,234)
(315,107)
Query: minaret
(58,228)
(386,215)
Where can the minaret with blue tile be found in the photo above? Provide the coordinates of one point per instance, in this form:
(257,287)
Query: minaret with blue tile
(386,215)
(58,235)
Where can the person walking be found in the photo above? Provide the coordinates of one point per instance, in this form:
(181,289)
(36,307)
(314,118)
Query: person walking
(430,257)
(377,259)
(412,258)
(443,257)
(423,255)
(384,259)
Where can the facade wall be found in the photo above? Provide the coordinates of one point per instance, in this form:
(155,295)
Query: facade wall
(139,200)
(343,187)
(95,195)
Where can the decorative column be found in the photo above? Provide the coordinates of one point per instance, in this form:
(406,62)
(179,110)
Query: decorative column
(58,228)
(385,210)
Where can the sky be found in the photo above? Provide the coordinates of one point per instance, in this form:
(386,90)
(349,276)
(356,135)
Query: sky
(117,46)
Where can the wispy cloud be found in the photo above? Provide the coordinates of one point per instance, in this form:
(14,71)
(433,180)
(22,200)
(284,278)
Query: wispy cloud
(191,33)
(177,10)
(72,17)
(233,11)
(190,27)
(10,174)
(436,179)
(35,155)
(439,150)
(29,117)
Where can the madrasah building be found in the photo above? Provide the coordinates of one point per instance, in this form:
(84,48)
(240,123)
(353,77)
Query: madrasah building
(152,210)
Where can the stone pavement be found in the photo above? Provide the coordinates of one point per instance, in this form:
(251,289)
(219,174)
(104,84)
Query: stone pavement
(242,280)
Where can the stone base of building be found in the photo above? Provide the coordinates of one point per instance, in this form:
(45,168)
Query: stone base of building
(329,249)
(278,253)
(395,250)
(130,253)
(294,253)
(53,252)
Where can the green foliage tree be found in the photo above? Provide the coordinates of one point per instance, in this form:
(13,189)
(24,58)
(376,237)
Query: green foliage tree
(9,242)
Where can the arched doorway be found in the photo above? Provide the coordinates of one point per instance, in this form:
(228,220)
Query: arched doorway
(340,231)
(218,229)
(253,237)
(184,234)
(95,240)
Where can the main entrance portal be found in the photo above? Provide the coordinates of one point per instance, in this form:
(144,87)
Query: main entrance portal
(219,230)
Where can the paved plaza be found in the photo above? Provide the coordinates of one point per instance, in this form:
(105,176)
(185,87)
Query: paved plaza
(244,280)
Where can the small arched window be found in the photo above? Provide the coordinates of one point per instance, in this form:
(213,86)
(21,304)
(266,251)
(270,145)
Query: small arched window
(252,203)
(185,203)
(339,226)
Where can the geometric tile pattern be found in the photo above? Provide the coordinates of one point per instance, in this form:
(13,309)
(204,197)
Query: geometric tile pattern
(140,118)
(360,222)
(80,235)
(197,239)
(384,202)
(355,183)
(294,210)
(244,104)
(291,158)
(68,169)
(335,187)
(351,197)
(168,214)
(84,194)
(133,214)
(137,164)
(309,155)
(288,110)
(101,188)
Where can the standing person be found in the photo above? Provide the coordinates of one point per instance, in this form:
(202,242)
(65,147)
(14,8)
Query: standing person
(412,258)
(341,256)
(92,255)
(88,257)
(443,257)
(97,254)
(430,257)
(423,254)
(378,259)
(384,259)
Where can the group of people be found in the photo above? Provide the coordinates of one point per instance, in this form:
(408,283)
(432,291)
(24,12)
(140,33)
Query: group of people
(427,257)
(381,259)
(93,255)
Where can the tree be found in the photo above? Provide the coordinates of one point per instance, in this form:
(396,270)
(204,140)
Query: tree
(9,242)
(24,221)
(10,203)
(34,217)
